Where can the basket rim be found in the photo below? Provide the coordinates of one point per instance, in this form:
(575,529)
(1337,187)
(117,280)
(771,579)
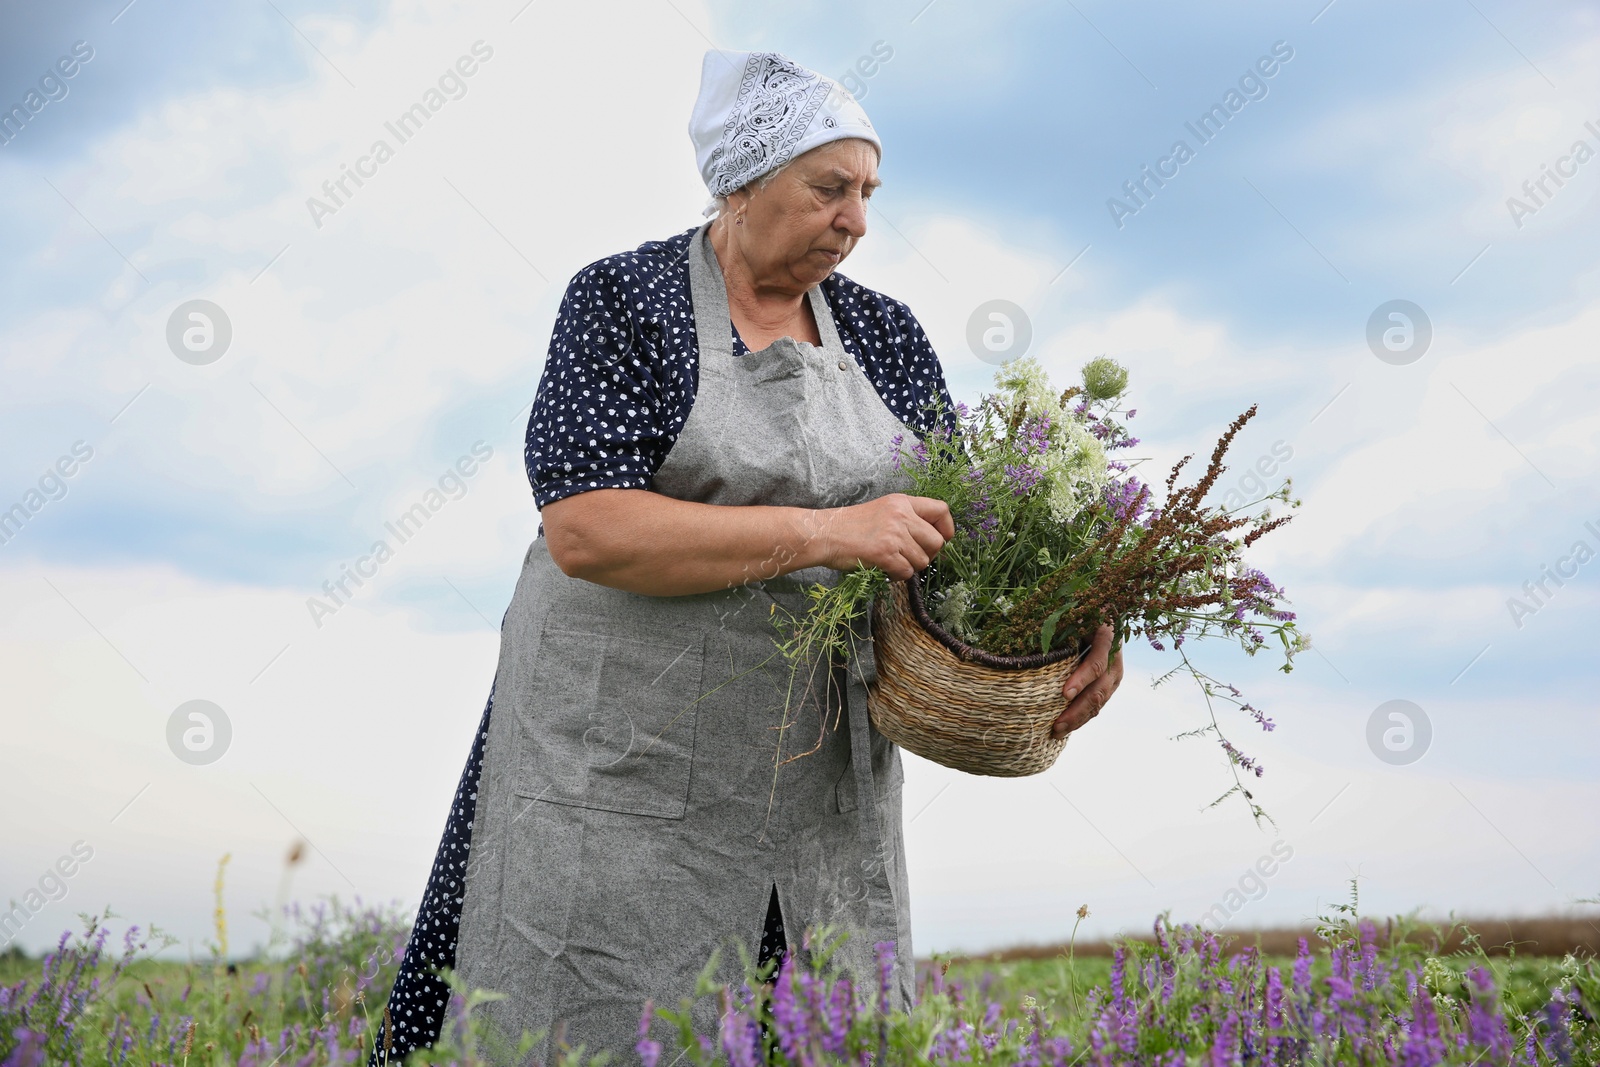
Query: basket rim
(972,653)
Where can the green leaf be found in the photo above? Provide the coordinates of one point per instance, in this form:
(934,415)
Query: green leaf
(1049,631)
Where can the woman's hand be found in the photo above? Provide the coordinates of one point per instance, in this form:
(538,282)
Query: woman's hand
(898,533)
(1090,685)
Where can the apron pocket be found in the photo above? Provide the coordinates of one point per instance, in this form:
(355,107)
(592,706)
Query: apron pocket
(607,718)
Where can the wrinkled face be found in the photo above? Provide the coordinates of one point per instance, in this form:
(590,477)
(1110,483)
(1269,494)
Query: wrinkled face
(809,217)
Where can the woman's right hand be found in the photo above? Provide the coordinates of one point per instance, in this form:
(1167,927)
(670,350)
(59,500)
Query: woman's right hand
(897,533)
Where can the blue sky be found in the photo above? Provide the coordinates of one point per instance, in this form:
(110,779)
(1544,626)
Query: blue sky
(373,351)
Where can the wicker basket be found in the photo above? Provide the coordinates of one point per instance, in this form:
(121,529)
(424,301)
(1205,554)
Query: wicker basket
(958,705)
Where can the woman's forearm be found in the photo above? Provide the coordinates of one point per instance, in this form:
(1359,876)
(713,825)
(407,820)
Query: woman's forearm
(646,542)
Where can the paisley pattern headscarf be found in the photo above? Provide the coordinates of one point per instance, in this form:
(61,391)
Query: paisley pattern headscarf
(758,110)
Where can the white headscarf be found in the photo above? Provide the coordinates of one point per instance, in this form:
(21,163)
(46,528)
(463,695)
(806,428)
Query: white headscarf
(758,110)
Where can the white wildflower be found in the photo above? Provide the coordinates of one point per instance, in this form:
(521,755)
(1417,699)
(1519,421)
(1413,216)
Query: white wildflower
(1075,470)
(951,611)
(1074,462)
(1026,380)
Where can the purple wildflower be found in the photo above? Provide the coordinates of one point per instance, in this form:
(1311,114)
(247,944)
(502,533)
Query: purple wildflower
(1302,970)
(1485,1027)
(838,1016)
(741,1037)
(1256,713)
(1247,762)
(1035,437)
(29,1051)
(1557,1019)
(1023,478)
(788,1013)
(649,1051)
(1127,499)
(1225,1046)
(1424,1047)
(885,951)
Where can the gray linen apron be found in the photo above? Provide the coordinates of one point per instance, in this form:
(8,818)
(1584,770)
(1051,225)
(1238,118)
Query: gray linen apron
(632,816)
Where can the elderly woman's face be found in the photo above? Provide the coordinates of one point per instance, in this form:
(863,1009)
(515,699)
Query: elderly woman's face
(809,218)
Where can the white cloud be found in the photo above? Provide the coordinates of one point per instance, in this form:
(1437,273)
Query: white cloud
(408,308)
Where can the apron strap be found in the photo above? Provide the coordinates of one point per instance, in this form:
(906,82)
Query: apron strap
(708,291)
(709,295)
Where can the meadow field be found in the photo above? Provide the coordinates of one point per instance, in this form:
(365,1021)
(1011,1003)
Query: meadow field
(1349,990)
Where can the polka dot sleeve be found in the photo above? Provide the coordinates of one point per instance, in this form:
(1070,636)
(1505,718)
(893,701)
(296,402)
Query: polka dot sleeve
(924,367)
(598,419)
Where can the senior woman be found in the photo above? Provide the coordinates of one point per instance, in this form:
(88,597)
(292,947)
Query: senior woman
(711,433)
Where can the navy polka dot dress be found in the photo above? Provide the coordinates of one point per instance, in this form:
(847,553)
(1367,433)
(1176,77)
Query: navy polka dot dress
(617,387)
(623,367)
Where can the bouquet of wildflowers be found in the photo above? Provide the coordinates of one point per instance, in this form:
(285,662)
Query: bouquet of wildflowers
(1055,536)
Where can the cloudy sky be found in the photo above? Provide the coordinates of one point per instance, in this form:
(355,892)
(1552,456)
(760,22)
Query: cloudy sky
(177,513)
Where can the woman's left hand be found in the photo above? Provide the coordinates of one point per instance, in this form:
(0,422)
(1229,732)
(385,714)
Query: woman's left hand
(1090,685)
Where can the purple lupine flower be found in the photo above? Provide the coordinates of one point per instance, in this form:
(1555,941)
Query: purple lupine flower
(1558,1020)
(787,1012)
(1119,964)
(1424,1046)
(1485,1026)
(885,952)
(741,1036)
(1023,478)
(1369,967)
(1035,437)
(838,1017)
(1272,1001)
(1127,498)
(951,1045)
(1225,1045)
(29,1051)
(1302,970)
(649,1051)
